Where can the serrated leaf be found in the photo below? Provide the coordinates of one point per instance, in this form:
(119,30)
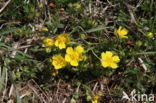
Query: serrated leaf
(7,31)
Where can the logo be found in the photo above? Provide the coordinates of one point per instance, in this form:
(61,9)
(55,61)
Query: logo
(137,96)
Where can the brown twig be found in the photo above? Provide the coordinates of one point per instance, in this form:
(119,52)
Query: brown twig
(58,86)
(95,86)
(110,95)
(5,5)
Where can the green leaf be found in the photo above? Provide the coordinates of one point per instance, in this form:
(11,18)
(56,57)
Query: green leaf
(12,49)
(7,31)
(2,77)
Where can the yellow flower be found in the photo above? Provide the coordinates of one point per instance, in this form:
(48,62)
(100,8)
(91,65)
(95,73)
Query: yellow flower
(44,29)
(73,56)
(58,62)
(96,98)
(74,6)
(77,6)
(48,42)
(62,40)
(108,60)
(121,32)
(150,35)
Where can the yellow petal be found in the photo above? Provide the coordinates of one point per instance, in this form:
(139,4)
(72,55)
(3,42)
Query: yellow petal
(109,54)
(67,58)
(54,57)
(104,64)
(44,29)
(69,50)
(74,63)
(53,63)
(116,59)
(57,67)
(94,101)
(124,31)
(79,49)
(123,36)
(102,55)
(62,45)
(150,35)
(114,65)
(120,27)
(56,43)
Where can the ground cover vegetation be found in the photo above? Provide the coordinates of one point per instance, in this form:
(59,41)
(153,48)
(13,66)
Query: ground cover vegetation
(76,51)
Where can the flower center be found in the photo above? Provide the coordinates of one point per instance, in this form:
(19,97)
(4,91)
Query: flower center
(109,59)
(75,56)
